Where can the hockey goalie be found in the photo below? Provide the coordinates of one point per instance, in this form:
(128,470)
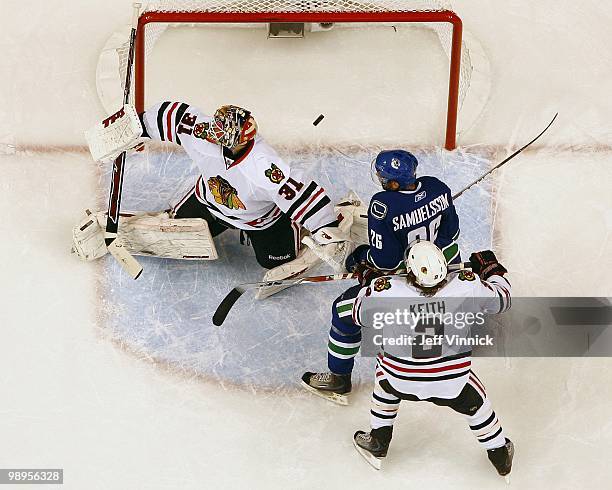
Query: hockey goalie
(243,185)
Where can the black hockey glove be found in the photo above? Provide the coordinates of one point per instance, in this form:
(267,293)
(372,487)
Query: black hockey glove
(357,258)
(366,274)
(485,264)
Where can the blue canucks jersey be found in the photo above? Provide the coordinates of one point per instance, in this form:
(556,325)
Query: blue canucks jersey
(397,218)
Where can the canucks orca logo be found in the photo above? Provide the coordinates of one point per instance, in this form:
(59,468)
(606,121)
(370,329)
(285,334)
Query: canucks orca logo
(378,209)
(382,284)
(224,193)
(275,174)
(395,163)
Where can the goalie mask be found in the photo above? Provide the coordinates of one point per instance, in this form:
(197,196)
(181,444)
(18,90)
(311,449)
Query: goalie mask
(232,126)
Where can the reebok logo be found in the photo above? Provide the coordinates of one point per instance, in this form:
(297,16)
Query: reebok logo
(279,257)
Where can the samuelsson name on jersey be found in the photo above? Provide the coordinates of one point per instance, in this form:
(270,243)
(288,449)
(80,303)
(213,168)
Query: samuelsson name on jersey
(422,213)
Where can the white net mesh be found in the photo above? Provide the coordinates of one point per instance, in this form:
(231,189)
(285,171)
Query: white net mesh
(110,92)
(295,6)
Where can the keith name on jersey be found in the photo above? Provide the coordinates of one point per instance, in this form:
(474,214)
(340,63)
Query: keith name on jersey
(420,214)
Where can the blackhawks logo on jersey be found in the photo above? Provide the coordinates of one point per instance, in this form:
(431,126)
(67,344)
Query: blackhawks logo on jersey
(382,284)
(466,275)
(201,130)
(275,174)
(224,193)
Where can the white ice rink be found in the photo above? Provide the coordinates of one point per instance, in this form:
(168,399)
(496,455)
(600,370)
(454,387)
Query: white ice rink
(143,398)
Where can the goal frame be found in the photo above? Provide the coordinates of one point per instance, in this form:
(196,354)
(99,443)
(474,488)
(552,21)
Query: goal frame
(429,16)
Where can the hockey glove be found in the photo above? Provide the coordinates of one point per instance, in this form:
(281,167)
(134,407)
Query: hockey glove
(358,257)
(366,274)
(485,264)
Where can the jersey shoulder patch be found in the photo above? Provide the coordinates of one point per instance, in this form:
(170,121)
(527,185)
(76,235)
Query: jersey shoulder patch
(466,275)
(275,174)
(382,284)
(378,209)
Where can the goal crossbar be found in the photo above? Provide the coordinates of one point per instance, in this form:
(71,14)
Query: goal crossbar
(431,16)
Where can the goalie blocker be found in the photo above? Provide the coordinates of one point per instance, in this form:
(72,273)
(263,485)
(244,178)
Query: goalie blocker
(119,132)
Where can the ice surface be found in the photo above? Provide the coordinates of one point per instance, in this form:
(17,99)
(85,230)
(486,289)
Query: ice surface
(71,398)
(166,314)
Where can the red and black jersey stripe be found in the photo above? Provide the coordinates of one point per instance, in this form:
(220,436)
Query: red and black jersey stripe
(301,199)
(427,371)
(168,118)
(310,202)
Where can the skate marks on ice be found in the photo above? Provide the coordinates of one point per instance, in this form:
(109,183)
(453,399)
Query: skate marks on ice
(166,315)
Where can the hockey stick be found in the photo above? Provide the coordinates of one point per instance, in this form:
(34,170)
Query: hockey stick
(507,159)
(234,295)
(125,259)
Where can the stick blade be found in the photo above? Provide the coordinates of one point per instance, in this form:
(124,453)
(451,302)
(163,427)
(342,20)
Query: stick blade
(129,263)
(226,305)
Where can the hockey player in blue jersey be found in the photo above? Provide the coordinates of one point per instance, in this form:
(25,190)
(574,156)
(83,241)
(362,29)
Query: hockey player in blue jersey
(408,208)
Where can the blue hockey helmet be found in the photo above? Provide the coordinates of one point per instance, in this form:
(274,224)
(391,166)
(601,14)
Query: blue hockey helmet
(395,166)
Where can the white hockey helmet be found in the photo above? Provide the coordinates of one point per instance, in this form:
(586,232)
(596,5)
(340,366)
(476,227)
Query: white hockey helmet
(427,263)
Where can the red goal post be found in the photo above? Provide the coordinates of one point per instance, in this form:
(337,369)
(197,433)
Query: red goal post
(449,17)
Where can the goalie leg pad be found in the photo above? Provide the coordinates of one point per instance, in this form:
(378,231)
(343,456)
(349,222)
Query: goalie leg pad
(153,234)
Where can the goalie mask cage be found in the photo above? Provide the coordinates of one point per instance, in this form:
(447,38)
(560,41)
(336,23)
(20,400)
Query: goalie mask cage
(158,17)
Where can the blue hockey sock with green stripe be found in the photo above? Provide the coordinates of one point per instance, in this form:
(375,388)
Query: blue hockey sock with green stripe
(344,334)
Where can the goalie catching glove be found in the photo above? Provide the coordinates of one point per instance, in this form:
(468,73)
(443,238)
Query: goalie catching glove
(119,132)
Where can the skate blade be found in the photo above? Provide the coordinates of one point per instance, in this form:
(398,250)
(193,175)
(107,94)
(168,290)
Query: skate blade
(332,397)
(507,478)
(373,461)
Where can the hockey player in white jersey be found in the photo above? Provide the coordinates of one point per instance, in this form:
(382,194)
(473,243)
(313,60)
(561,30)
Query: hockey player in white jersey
(244,184)
(444,378)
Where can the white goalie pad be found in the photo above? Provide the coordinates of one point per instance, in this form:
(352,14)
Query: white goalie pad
(153,234)
(298,267)
(352,231)
(119,132)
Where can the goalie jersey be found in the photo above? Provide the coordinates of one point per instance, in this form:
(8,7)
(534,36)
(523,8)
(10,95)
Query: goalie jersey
(397,218)
(249,192)
(431,369)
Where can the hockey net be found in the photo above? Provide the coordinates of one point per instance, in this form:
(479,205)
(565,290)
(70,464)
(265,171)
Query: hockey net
(158,17)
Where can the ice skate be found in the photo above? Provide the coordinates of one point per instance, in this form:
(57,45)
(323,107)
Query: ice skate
(373,445)
(333,387)
(501,458)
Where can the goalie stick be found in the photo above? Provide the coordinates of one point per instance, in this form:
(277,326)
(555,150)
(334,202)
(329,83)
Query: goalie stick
(125,259)
(234,295)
